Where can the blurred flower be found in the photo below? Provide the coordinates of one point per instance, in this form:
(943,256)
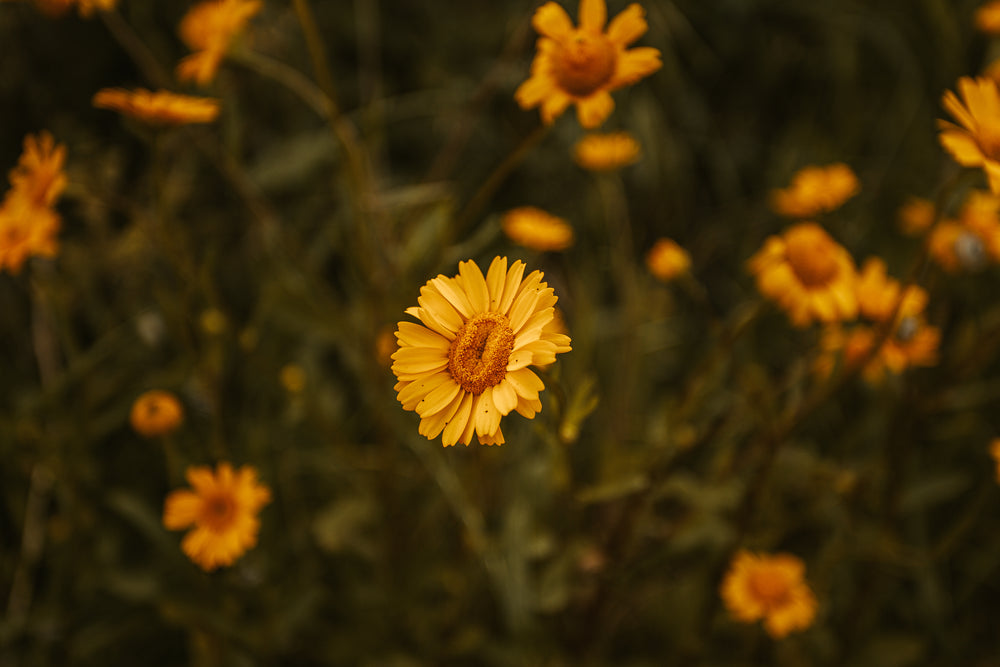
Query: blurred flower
(385,345)
(156,413)
(467,366)
(878,294)
(606,152)
(973,240)
(975,142)
(995,453)
(769,587)
(815,190)
(293,378)
(912,343)
(55,8)
(208,29)
(916,216)
(583,65)
(39,172)
(987,18)
(222,508)
(808,274)
(159,108)
(536,229)
(666,260)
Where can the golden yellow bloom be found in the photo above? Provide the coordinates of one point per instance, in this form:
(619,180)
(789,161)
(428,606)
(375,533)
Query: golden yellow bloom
(583,65)
(26,230)
(666,260)
(878,293)
(987,18)
(975,142)
(156,413)
(159,108)
(208,29)
(808,274)
(39,173)
(467,365)
(769,587)
(971,241)
(606,152)
(995,453)
(222,508)
(916,216)
(536,229)
(815,190)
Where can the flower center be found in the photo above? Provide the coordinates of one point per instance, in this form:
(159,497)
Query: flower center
(584,63)
(811,255)
(770,587)
(478,356)
(217,511)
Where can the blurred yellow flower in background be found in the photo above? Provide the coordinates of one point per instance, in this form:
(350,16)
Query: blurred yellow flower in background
(975,142)
(156,412)
(987,18)
(537,229)
(878,294)
(808,274)
(666,260)
(208,29)
(223,509)
(916,216)
(39,172)
(159,108)
(971,241)
(466,366)
(606,152)
(583,65)
(769,587)
(815,190)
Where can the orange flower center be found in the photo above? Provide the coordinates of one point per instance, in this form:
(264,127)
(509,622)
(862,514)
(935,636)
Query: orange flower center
(584,63)
(217,511)
(770,587)
(811,255)
(478,356)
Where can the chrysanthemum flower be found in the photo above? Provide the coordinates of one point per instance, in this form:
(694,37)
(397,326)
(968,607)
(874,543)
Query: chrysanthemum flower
(666,260)
(156,413)
(815,190)
(772,588)
(208,29)
(975,142)
(39,172)
(26,230)
(916,216)
(606,152)
(466,366)
(537,229)
(159,108)
(222,508)
(583,65)
(808,274)
(973,240)
(987,18)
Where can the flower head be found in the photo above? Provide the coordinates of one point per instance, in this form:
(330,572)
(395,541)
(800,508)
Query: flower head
(39,173)
(912,343)
(808,274)
(916,216)
(155,413)
(973,240)
(666,260)
(208,29)
(536,229)
(159,108)
(582,65)
(769,587)
(606,152)
(878,294)
(975,141)
(222,508)
(987,18)
(815,190)
(466,365)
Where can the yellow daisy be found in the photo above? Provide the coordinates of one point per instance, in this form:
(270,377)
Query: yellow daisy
(536,229)
(987,18)
(39,172)
(916,216)
(815,190)
(606,152)
(466,365)
(808,274)
(156,413)
(769,587)
(666,260)
(222,508)
(913,343)
(583,65)
(26,230)
(159,108)
(975,142)
(208,29)
(973,240)
(878,293)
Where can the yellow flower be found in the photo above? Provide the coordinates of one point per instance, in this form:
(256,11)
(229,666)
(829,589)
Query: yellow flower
(769,587)
(156,413)
(815,190)
(808,274)
(606,152)
(583,65)
(878,293)
(916,216)
(995,453)
(666,260)
(26,230)
(975,142)
(222,508)
(971,241)
(39,173)
(159,108)
(987,18)
(536,229)
(293,378)
(467,365)
(208,29)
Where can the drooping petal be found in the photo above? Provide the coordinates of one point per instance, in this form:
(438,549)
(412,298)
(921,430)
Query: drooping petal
(594,110)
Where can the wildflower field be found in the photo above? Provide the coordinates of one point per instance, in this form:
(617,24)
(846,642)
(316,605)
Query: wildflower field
(544,333)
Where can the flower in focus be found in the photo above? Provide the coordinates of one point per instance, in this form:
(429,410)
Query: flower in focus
(536,229)
(156,413)
(159,108)
(582,65)
(815,190)
(769,587)
(995,453)
(666,260)
(606,152)
(208,29)
(973,240)
(975,141)
(223,509)
(987,18)
(466,365)
(916,216)
(808,274)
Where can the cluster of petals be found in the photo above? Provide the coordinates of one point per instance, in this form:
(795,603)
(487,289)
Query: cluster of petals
(158,108)
(466,365)
(606,152)
(815,190)
(666,260)
(975,141)
(536,229)
(582,65)
(769,587)
(971,241)
(208,29)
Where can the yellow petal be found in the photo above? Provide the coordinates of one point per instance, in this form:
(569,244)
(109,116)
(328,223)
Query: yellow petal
(628,26)
(594,110)
(552,21)
(635,64)
(593,14)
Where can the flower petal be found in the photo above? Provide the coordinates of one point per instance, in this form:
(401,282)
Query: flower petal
(628,26)
(594,110)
